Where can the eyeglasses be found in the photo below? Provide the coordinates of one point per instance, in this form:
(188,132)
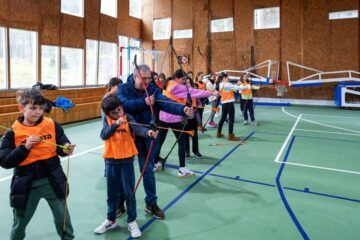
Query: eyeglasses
(116,111)
(147,78)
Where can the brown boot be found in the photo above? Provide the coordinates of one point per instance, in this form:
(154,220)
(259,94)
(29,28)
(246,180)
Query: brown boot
(219,135)
(232,137)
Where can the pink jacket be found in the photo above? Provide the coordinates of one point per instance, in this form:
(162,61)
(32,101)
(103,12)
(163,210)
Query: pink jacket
(180,91)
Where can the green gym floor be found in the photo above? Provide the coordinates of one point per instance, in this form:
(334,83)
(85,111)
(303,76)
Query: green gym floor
(295,176)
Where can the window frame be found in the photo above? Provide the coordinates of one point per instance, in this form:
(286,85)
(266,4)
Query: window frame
(269,27)
(337,15)
(35,56)
(138,17)
(57,63)
(167,22)
(82,10)
(185,31)
(82,72)
(115,8)
(213,21)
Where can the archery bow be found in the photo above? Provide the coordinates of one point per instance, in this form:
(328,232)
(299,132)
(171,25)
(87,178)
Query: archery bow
(217,98)
(152,126)
(188,103)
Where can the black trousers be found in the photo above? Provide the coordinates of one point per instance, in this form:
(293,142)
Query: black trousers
(180,136)
(227,109)
(192,125)
(249,107)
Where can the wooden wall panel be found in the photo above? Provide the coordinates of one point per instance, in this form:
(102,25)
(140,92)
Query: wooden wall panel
(244,29)
(71,26)
(147,24)
(23,14)
(92,9)
(50,22)
(108,29)
(162,8)
(201,34)
(127,26)
(221,9)
(182,14)
(45,17)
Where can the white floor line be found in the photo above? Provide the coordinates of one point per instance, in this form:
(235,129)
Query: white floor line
(324,168)
(329,116)
(341,133)
(62,159)
(321,124)
(287,139)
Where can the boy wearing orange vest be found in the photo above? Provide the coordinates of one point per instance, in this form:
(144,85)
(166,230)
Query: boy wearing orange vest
(119,155)
(31,148)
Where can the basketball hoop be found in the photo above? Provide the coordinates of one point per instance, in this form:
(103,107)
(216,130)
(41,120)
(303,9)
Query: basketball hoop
(281,87)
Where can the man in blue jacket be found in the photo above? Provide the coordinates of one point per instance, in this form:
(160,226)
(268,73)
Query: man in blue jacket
(133,96)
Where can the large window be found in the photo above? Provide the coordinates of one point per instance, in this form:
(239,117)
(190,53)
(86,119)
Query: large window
(135,8)
(107,62)
(222,25)
(72,67)
(109,7)
(3,75)
(162,29)
(343,14)
(91,62)
(186,33)
(129,47)
(50,65)
(266,18)
(73,7)
(23,58)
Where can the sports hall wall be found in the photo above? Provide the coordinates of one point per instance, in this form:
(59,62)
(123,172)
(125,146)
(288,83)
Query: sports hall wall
(306,36)
(56,28)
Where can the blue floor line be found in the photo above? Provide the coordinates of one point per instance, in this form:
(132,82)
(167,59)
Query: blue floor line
(282,195)
(185,191)
(173,166)
(169,165)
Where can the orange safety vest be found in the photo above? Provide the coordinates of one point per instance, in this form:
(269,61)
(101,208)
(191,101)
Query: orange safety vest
(201,85)
(168,93)
(226,95)
(42,150)
(246,91)
(121,144)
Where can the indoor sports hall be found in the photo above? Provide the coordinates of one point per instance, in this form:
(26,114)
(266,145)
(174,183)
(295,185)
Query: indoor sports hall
(267,94)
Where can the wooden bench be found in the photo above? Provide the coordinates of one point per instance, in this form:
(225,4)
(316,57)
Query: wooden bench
(87,105)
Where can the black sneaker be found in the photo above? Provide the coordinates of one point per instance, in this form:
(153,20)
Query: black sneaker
(198,155)
(155,211)
(120,210)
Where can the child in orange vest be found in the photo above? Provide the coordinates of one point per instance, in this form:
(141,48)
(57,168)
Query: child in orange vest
(30,148)
(227,90)
(247,99)
(119,155)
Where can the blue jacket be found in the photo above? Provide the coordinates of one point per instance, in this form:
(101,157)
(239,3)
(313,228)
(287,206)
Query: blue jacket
(134,102)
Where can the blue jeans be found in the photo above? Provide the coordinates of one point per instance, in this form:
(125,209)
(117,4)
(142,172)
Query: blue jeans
(120,176)
(149,182)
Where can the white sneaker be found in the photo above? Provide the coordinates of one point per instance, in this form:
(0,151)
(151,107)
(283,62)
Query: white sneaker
(157,167)
(134,229)
(217,115)
(254,123)
(184,173)
(105,226)
(246,123)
